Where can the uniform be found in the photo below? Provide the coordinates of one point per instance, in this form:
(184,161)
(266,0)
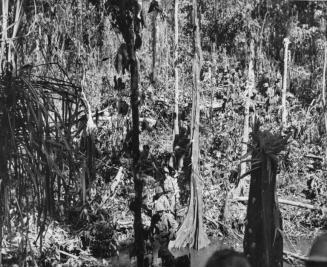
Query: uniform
(172,190)
(163,228)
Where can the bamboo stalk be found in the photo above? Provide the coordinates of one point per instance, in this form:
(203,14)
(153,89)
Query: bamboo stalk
(284,92)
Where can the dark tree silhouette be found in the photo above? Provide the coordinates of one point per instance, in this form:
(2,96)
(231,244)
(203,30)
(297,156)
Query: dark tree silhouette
(263,242)
(125,15)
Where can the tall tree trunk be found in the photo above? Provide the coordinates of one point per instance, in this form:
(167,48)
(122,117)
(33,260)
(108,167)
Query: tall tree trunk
(324,81)
(214,72)
(154,46)
(246,130)
(4,154)
(284,92)
(322,29)
(3,180)
(5,7)
(192,234)
(129,26)
(324,90)
(138,184)
(176,126)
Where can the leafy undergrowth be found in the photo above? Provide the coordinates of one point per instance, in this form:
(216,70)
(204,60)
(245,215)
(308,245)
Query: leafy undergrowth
(103,225)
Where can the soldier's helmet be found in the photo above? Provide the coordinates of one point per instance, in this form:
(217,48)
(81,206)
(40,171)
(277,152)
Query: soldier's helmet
(318,252)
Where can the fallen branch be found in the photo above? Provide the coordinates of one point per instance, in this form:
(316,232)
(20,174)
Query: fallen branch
(284,201)
(314,156)
(68,254)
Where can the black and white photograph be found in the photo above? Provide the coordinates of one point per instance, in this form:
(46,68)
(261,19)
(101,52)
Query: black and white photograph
(163,133)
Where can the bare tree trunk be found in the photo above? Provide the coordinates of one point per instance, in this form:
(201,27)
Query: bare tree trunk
(138,184)
(176,127)
(4,128)
(154,46)
(214,71)
(324,91)
(129,31)
(246,130)
(5,7)
(192,234)
(4,152)
(284,92)
(3,178)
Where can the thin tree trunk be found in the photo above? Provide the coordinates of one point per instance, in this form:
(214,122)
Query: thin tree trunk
(5,7)
(128,31)
(324,78)
(4,152)
(192,234)
(324,84)
(284,92)
(3,178)
(214,71)
(18,16)
(154,46)
(138,184)
(176,127)
(4,128)
(324,91)
(246,130)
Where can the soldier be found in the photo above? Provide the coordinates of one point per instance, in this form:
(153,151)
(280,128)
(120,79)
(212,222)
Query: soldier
(171,190)
(163,228)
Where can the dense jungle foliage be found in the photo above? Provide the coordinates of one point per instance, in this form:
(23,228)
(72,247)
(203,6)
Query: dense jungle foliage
(67,158)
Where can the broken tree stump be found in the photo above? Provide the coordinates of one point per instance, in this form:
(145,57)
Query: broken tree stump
(263,241)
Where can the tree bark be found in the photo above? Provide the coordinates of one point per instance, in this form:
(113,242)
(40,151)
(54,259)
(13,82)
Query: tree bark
(3,181)
(284,92)
(5,7)
(176,126)
(192,233)
(324,84)
(138,184)
(154,46)
(246,130)
(129,31)
(4,153)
